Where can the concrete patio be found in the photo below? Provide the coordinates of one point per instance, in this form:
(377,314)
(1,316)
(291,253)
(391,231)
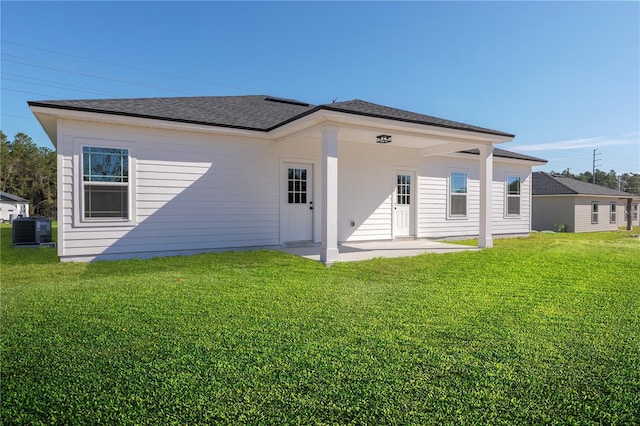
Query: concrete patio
(357,251)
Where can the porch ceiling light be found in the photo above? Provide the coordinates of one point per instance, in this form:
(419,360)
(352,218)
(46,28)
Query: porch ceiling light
(383,139)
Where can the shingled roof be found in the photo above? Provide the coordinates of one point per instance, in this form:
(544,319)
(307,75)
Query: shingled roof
(5,196)
(253,112)
(497,152)
(547,184)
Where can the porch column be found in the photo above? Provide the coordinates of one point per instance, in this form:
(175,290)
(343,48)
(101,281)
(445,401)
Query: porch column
(485,239)
(329,252)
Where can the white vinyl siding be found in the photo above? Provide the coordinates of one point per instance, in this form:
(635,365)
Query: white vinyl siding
(193,192)
(432,192)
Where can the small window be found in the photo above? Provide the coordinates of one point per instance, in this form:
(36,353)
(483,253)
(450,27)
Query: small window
(458,194)
(297,186)
(105,183)
(613,213)
(634,212)
(513,196)
(403,190)
(594,212)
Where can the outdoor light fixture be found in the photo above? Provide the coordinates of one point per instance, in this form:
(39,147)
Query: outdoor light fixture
(383,138)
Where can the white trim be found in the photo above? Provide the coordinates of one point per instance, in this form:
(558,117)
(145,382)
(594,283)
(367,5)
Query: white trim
(613,212)
(506,195)
(78,191)
(451,170)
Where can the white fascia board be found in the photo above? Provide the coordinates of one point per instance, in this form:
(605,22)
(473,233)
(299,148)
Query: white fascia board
(498,159)
(424,130)
(124,120)
(385,125)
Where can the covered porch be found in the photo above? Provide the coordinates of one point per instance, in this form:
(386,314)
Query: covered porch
(366,250)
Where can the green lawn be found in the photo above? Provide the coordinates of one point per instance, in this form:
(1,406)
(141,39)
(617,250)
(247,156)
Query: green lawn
(544,330)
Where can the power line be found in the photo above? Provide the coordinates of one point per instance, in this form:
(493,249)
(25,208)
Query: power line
(58,87)
(100,77)
(126,66)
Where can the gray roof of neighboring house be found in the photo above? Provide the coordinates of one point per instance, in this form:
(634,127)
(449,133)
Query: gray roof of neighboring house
(497,152)
(252,112)
(547,184)
(5,196)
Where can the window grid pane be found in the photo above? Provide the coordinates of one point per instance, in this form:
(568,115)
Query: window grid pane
(458,194)
(513,185)
(513,206)
(105,165)
(106,201)
(108,171)
(404,189)
(297,186)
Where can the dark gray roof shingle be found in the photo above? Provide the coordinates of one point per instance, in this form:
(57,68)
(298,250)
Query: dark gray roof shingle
(547,184)
(369,109)
(252,112)
(497,152)
(5,196)
(255,112)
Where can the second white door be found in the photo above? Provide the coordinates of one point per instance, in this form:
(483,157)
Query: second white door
(403,223)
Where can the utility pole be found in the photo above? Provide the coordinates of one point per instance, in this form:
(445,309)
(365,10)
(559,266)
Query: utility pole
(594,165)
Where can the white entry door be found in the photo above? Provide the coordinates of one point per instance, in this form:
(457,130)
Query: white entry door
(297,219)
(403,205)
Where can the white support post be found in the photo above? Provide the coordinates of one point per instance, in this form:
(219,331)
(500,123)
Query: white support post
(329,252)
(485,239)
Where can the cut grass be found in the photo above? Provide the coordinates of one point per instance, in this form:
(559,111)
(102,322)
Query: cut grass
(534,331)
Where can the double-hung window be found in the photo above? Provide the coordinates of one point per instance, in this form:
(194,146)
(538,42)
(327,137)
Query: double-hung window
(105,183)
(513,195)
(613,216)
(594,212)
(634,212)
(458,190)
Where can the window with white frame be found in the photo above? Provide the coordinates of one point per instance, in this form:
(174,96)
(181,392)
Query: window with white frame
(634,212)
(613,212)
(513,195)
(594,212)
(105,183)
(458,194)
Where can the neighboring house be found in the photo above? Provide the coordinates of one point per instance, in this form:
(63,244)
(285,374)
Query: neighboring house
(579,206)
(166,176)
(12,206)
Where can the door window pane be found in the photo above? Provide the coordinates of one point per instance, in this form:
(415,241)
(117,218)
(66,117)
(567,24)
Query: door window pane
(403,189)
(297,186)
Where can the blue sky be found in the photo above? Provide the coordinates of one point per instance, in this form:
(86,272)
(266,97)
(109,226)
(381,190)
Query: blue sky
(563,76)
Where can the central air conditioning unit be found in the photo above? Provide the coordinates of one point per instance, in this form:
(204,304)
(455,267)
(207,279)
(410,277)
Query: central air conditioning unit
(31,230)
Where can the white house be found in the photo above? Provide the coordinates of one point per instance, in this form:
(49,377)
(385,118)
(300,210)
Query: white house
(166,176)
(12,206)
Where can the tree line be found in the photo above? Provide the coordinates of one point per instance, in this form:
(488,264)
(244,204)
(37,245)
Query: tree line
(29,171)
